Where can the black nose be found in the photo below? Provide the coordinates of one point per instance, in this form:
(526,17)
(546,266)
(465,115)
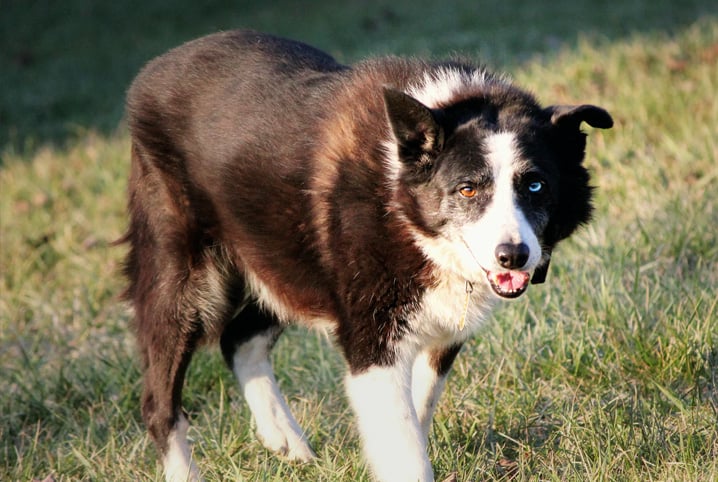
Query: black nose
(512,256)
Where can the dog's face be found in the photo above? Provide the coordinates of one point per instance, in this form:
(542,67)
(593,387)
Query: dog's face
(490,189)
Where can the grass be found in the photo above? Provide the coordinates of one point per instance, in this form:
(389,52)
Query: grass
(607,372)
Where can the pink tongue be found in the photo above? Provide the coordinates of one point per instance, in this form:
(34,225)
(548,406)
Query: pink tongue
(511,280)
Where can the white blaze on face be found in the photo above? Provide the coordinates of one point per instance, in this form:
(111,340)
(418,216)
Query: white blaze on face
(469,250)
(503,221)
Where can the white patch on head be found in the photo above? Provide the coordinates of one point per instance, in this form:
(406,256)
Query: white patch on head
(393,441)
(441,86)
(177,461)
(276,427)
(436,88)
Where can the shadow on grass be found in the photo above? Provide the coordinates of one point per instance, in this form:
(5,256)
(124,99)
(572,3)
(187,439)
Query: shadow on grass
(66,65)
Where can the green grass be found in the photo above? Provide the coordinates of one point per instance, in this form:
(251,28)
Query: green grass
(607,372)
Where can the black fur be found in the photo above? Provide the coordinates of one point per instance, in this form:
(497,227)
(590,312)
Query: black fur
(261,160)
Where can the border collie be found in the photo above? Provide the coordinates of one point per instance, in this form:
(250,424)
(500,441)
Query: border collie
(390,202)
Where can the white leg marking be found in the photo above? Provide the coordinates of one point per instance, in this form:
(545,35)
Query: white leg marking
(393,442)
(276,427)
(426,388)
(177,462)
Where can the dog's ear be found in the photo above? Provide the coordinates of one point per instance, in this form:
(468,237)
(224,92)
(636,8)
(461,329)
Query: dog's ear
(541,270)
(418,134)
(571,116)
(572,213)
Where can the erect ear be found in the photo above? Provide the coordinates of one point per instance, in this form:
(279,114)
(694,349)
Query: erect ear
(419,135)
(573,115)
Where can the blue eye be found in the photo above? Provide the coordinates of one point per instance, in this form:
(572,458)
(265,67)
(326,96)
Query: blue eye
(535,187)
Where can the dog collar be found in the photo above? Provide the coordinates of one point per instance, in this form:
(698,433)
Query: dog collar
(469,290)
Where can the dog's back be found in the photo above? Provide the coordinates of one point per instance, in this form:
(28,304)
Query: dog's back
(212,101)
(199,117)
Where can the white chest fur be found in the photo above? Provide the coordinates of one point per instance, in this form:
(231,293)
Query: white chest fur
(442,308)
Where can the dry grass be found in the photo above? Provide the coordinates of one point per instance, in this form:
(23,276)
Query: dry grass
(607,372)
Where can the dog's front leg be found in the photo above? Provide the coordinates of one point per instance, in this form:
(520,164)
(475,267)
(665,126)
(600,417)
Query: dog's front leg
(429,374)
(394,444)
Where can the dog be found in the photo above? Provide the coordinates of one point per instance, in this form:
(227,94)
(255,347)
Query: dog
(391,202)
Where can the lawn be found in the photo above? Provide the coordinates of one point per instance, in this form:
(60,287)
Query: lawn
(609,371)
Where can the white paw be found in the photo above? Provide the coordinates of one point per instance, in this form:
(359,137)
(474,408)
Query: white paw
(288,442)
(177,462)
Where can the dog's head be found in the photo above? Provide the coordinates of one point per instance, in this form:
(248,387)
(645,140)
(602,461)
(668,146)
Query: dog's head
(491,183)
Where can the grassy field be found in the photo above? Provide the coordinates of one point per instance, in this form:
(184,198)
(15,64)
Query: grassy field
(607,372)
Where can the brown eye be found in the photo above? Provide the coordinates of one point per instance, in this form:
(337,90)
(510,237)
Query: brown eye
(468,191)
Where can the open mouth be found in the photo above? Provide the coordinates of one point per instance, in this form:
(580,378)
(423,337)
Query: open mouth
(508,284)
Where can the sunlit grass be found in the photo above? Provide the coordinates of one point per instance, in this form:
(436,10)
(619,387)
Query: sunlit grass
(607,372)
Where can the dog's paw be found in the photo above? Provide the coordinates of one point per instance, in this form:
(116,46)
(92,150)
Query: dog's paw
(289,444)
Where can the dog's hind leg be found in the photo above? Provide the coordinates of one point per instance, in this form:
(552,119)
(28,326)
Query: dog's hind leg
(178,290)
(246,344)
(173,315)
(163,415)
(167,339)
(169,331)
